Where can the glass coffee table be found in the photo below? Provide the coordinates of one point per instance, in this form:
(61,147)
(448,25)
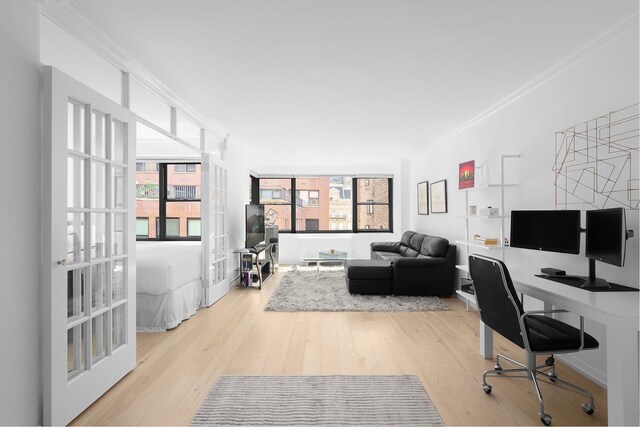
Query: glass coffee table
(332,257)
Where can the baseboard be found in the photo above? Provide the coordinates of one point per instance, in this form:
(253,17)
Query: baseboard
(595,375)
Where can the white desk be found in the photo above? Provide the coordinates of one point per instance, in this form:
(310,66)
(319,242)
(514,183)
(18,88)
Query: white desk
(618,311)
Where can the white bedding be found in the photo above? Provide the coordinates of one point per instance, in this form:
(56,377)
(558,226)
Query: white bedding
(163,267)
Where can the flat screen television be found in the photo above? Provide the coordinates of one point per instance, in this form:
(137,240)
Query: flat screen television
(606,236)
(553,231)
(254,220)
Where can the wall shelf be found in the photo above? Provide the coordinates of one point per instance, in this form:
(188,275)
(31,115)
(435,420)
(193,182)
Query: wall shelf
(479,245)
(467,242)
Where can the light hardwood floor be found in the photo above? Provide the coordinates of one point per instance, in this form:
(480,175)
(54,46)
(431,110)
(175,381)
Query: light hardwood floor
(235,336)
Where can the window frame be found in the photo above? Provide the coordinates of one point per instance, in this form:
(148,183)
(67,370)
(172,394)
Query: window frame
(371,204)
(256,195)
(163,187)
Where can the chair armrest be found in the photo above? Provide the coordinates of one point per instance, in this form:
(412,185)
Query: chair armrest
(419,262)
(386,246)
(529,313)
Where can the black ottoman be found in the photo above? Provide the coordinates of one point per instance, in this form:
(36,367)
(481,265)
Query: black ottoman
(369,277)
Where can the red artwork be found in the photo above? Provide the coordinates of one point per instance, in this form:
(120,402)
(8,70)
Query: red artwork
(466,175)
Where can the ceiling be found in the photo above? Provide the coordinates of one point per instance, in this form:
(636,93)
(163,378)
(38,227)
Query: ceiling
(316,80)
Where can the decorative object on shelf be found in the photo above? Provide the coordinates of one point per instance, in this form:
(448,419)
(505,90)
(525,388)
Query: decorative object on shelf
(466,174)
(472,210)
(596,164)
(423,198)
(489,211)
(438,196)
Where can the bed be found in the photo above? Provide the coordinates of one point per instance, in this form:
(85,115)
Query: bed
(169,286)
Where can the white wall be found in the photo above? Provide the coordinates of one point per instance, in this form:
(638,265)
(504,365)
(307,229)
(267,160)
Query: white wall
(605,82)
(20,390)
(238,186)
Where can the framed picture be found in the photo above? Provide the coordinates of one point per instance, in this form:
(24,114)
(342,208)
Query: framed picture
(466,175)
(438,194)
(423,198)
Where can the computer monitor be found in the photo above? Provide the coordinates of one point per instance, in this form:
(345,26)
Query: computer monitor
(606,242)
(552,231)
(606,236)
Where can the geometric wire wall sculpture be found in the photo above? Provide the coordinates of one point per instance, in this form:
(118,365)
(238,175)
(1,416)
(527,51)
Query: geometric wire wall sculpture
(597,162)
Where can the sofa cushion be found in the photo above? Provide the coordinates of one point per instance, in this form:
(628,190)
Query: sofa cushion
(406,237)
(408,252)
(388,255)
(434,246)
(386,246)
(368,270)
(416,242)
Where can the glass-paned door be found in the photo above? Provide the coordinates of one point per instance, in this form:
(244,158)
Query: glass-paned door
(89,296)
(215,234)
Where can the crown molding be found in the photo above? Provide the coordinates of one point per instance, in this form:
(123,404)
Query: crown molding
(70,19)
(621,31)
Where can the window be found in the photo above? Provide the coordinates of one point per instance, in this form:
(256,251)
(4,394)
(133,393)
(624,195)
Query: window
(142,227)
(169,193)
(325,203)
(318,201)
(193,227)
(373,205)
(275,194)
(185,167)
(312,224)
(173,227)
(308,197)
(139,166)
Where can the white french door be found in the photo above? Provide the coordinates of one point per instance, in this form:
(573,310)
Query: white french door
(88,251)
(215,234)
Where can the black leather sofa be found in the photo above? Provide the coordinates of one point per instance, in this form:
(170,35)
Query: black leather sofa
(422,264)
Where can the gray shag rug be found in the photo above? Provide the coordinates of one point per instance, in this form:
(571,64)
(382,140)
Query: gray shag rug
(302,289)
(317,400)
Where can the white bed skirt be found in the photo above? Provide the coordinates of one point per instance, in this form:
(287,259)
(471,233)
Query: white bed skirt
(157,313)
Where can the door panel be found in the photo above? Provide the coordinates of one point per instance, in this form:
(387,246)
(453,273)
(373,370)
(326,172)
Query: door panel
(88,252)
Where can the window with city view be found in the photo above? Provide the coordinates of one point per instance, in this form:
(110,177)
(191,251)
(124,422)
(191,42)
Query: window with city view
(172,212)
(325,203)
(275,195)
(373,205)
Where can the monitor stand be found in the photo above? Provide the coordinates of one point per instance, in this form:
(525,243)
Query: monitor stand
(592,282)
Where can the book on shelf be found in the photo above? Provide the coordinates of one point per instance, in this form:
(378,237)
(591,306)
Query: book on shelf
(485,240)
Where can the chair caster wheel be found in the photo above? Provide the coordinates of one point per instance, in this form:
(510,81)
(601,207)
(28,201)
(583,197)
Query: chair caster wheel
(546,419)
(497,367)
(553,377)
(486,388)
(588,408)
(550,361)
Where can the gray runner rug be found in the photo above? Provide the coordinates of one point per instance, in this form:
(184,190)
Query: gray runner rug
(318,400)
(303,289)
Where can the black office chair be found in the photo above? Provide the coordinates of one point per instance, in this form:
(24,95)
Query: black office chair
(502,311)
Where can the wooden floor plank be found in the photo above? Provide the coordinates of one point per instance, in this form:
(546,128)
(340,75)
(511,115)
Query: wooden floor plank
(235,336)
